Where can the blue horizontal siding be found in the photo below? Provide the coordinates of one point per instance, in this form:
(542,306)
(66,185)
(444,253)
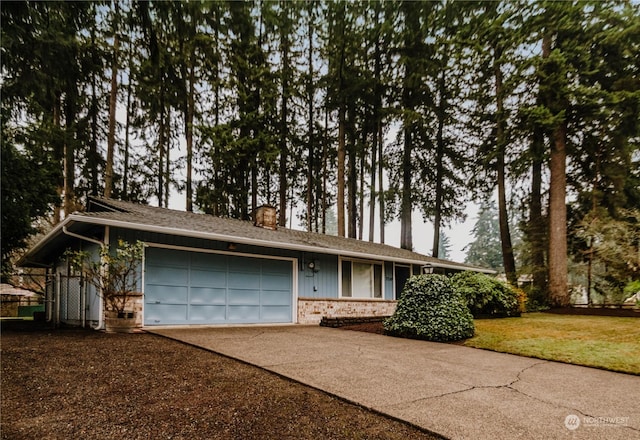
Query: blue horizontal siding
(321,283)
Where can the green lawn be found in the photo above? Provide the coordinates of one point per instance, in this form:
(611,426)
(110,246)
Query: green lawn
(595,341)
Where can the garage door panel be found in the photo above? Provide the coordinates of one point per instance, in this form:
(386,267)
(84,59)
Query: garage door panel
(246,265)
(275,313)
(204,278)
(244,296)
(169,257)
(208,295)
(209,261)
(172,276)
(207,313)
(276,282)
(276,298)
(244,314)
(277,266)
(165,313)
(183,287)
(167,294)
(242,280)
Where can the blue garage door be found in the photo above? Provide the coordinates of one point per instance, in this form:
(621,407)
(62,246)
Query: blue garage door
(184,287)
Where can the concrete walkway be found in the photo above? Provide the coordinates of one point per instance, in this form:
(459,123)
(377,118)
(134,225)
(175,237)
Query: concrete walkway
(455,391)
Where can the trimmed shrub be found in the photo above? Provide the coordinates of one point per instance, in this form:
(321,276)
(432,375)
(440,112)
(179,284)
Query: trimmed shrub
(487,296)
(430,309)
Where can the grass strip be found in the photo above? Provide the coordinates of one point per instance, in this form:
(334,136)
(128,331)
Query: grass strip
(610,343)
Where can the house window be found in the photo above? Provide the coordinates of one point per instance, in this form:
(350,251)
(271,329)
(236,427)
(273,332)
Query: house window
(361,279)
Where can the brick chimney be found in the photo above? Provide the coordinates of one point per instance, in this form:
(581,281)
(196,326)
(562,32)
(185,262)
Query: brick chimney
(265,217)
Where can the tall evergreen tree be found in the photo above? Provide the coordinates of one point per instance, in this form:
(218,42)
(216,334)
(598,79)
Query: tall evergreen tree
(113,100)
(448,161)
(495,29)
(486,249)
(42,60)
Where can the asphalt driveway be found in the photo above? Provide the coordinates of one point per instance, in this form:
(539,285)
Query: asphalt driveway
(456,391)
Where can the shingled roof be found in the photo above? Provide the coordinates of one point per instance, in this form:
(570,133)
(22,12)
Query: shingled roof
(115,213)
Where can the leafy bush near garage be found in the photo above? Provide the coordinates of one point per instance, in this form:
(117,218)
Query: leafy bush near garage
(488,296)
(430,309)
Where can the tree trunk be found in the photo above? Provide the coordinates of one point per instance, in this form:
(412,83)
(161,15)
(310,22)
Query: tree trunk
(93,143)
(536,229)
(536,221)
(94,158)
(501,141)
(311,218)
(361,188)
(352,181)
(377,110)
(217,181)
(409,99)
(113,101)
(125,176)
(441,115)
(372,188)
(167,163)
(59,153)
(284,150)
(508,258)
(254,188)
(69,148)
(558,292)
(341,180)
(190,111)
(325,158)
(381,180)
(341,133)
(69,176)
(161,141)
(406,239)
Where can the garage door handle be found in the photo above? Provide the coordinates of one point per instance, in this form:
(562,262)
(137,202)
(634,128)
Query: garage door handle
(157,302)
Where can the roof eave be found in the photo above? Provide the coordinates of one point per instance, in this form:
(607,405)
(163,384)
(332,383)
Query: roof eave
(267,243)
(24,260)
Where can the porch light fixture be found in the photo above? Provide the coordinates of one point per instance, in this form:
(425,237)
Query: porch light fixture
(427,269)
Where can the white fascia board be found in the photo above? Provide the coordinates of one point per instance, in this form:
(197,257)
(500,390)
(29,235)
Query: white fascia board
(257,242)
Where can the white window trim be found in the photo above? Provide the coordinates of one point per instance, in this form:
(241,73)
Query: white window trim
(359,260)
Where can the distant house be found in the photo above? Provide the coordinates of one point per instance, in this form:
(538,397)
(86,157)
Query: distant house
(15,301)
(202,269)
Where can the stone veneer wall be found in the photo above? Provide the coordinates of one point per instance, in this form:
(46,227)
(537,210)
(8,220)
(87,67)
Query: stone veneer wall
(312,310)
(134,302)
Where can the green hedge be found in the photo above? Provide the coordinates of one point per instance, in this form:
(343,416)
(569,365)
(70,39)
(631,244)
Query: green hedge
(430,309)
(485,295)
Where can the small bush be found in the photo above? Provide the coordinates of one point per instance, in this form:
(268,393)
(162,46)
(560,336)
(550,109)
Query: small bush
(430,309)
(487,296)
(535,306)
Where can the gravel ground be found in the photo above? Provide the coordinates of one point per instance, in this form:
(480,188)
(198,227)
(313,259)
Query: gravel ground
(83,384)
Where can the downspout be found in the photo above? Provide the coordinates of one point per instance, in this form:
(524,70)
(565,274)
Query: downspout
(82,237)
(101,244)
